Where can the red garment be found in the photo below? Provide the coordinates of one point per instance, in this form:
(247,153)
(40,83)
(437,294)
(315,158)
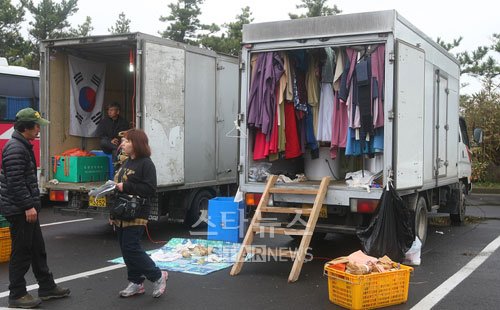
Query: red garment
(261,146)
(292,145)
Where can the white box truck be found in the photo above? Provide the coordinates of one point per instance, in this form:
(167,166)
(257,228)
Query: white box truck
(185,99)
(423,144)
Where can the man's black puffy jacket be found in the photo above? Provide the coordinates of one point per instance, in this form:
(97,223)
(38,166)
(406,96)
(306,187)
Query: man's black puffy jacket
(18,178)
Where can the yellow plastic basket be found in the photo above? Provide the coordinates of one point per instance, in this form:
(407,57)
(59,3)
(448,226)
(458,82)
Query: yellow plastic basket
(370,291)
(5,244)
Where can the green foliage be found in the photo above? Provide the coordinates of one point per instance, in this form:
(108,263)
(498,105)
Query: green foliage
(228,42)
(50,21)
(122,25)
(12,45)
(482,110)
(183,20)
(83,30)
(315,8)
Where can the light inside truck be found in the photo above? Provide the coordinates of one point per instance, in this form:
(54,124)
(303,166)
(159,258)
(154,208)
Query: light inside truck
(58,195)
(252,199)
(363,205)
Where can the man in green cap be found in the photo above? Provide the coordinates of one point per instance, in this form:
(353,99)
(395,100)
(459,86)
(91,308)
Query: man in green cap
(20,205)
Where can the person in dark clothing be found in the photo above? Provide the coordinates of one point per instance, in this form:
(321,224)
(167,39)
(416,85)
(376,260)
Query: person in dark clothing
(20,205)
(137,176)
(110,127)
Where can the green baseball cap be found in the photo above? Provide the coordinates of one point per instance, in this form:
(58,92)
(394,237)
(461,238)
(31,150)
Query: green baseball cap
(28,114)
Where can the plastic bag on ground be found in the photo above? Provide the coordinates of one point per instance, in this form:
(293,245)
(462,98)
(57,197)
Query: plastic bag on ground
(412,256)
(390,231)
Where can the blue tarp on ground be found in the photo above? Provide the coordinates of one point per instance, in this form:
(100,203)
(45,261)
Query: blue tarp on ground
(226,251)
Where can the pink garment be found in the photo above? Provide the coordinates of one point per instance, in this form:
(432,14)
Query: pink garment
(340,124)
(377,66)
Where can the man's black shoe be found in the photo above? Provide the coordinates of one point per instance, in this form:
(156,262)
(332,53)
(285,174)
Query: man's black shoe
(25,302)
(56,292)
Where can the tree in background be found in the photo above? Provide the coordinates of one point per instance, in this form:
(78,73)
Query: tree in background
(482,109)
(12,45)
(184,22)
(50,21)
(83,30)
(315,8)
(122,25)
(229,42)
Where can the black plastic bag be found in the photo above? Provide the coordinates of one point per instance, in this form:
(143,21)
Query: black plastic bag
(391,229)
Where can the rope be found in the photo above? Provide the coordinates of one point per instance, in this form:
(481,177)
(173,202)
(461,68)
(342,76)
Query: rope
(149,236)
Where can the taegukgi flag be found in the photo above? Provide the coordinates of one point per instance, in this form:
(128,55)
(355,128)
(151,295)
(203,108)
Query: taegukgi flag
(86,96)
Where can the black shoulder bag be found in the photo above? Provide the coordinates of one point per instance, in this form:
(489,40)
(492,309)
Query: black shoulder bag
(126,207)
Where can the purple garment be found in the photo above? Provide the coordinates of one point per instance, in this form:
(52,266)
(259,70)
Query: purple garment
(262,100)
(340,126)
(377,66)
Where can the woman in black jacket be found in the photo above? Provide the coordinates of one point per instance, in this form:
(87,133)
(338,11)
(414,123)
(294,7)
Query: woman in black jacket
(137,176)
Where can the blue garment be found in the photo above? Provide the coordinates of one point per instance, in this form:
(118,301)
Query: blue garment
(139,264)
(310,138)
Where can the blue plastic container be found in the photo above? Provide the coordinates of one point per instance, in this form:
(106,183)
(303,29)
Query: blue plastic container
(226,219)
(111,168)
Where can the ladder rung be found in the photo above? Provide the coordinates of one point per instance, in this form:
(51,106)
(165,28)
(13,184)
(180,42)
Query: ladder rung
(263,250)
(278,230)
(269,209)
(294,191)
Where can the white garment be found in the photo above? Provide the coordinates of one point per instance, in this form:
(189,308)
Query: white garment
(324,132)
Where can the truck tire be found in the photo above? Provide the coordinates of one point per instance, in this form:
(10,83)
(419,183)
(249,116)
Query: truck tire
(421,219)
(458,218)
(198,210)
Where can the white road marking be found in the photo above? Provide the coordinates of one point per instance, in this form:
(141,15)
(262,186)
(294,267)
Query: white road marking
(66,222)
(72,277)
(441,291)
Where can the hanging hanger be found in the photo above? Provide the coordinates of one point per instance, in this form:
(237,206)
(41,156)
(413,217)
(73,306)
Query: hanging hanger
(236,132)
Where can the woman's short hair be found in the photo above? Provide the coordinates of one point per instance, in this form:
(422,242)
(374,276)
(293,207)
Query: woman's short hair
(140,142)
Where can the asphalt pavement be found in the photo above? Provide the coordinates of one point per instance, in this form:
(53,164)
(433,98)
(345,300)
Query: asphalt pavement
(79,250)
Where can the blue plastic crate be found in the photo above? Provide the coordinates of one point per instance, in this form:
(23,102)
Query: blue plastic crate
(226,219)
(111,168)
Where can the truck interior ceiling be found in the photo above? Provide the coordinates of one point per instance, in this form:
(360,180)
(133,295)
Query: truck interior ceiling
(333,117)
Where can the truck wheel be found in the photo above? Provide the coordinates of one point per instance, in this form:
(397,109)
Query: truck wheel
(458,218)
(198,211)
(421,220)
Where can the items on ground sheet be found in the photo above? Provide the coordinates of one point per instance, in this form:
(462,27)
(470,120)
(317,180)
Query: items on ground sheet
(194,256)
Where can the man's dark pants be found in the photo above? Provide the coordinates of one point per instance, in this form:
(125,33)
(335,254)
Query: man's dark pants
(28,248)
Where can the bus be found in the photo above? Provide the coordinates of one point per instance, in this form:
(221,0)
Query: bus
(19,89)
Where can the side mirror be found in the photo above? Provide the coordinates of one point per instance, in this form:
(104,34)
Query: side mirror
(478,135)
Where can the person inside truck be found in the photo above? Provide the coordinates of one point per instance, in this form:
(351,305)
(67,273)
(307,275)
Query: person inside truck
(20,205)
(109,129)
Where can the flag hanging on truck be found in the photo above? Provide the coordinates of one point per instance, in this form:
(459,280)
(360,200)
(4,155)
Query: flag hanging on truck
(86,96)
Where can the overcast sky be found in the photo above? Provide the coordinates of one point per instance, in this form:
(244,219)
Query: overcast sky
(447,19)
(437,18)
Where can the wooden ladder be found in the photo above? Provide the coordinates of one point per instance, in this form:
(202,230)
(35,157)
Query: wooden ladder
(306,233)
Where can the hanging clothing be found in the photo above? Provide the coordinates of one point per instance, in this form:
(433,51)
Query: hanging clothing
(292,147)
(324,131)
(261,103)
(340,125)
(378,75)
(311,142)
(363,83)
(339,68)
(312,86)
